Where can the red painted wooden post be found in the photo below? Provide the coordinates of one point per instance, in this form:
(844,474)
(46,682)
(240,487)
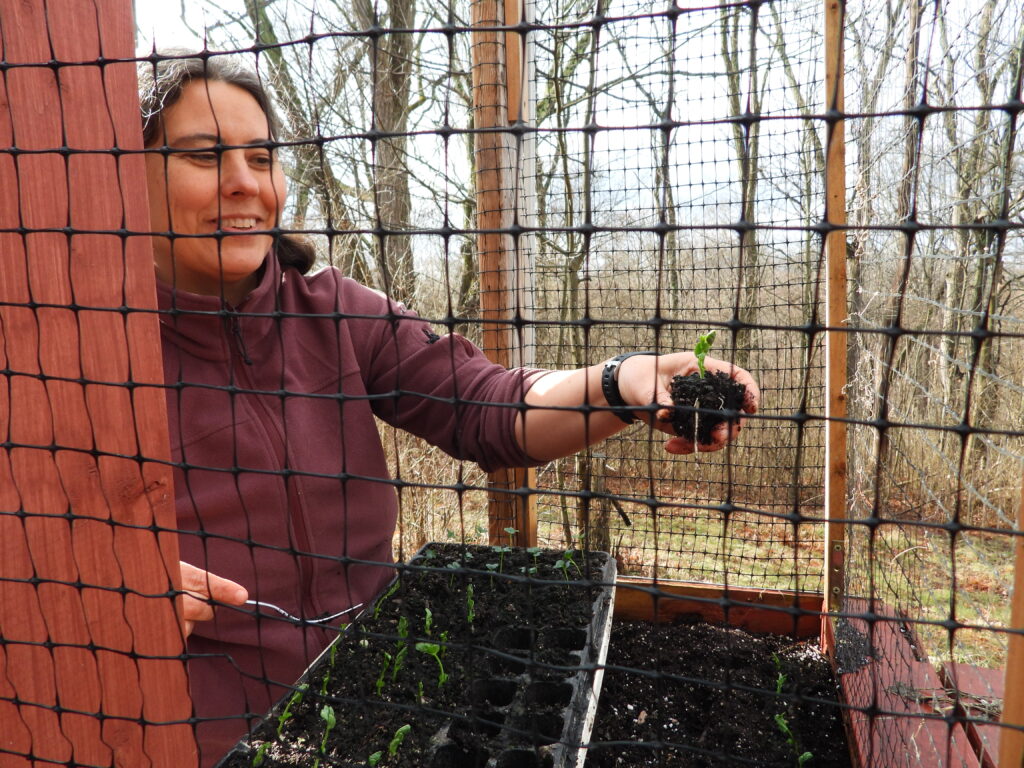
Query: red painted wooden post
(90,659)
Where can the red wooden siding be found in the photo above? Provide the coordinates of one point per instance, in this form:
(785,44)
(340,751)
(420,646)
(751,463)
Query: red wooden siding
(90,667)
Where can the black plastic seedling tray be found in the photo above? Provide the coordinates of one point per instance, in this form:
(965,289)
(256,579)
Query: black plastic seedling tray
(474,657)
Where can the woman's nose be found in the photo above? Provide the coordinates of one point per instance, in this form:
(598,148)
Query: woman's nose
(236,177)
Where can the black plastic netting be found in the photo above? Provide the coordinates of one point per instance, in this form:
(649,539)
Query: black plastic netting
(559,183)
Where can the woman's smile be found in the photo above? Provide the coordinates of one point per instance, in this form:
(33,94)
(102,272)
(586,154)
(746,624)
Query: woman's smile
(217,191)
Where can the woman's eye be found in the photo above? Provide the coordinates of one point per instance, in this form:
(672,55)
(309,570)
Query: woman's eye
(261,161)
(203,157)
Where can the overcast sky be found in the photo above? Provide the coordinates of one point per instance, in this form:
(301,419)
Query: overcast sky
(165,22)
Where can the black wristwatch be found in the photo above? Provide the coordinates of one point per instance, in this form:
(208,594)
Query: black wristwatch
(610,386)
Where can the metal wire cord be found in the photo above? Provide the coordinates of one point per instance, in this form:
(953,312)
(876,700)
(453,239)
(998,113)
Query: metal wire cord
(295,619)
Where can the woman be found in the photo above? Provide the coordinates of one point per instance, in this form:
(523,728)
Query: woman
(274,378)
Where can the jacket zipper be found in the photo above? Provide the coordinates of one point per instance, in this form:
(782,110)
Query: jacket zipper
(236,331)
(266,420)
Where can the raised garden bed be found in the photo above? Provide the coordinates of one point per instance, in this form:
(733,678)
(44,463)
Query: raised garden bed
(691,694)
(474,657)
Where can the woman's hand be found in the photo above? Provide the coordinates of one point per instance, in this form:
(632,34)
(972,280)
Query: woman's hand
(646,379)
(203,589)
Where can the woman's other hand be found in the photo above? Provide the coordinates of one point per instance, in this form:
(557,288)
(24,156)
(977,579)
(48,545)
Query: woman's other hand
(647,379)
(202,590)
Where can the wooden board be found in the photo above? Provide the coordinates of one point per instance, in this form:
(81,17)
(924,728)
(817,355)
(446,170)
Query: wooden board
(772,611)
(511,500)
(91,665)
(898,714)
(976,687)
(1011,747)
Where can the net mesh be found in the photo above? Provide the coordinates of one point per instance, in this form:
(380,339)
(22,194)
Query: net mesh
(654,172)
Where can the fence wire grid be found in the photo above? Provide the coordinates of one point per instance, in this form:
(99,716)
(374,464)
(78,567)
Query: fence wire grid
(662,174)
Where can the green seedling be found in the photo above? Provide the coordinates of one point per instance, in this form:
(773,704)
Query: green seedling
(564,566)
(565,561)
(327,674)
(453,567)
(327,715)
(428,620)
(701,349)
(379,685)
(398,738)
(261,754)
(781,679)
(286,714)
(399,660)
(444,642)
(433,649)
(396,742)
(535,553)
(384,598)
(782,723)
(502,551)
(492,567)
(470,605)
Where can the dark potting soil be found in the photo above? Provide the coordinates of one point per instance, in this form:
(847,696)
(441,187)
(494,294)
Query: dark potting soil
(470,660)
(698,400)
(712,701)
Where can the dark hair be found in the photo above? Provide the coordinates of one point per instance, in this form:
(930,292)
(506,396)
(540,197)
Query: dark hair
(163,78)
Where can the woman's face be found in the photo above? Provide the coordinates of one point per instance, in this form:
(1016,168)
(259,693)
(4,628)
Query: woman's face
(200,190)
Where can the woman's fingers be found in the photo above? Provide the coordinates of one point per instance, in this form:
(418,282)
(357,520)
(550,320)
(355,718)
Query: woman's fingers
(203,589)
(660,372)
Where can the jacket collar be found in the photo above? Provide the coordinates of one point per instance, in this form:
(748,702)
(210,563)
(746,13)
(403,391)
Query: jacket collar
(210,328)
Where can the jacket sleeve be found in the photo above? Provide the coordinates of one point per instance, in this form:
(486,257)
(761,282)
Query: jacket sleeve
(439,387)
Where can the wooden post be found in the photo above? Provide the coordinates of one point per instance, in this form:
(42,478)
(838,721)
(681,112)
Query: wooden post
(1011,740)
(511,504)
(91,671)
(836,312)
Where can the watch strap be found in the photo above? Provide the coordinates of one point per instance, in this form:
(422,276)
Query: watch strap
(610,386)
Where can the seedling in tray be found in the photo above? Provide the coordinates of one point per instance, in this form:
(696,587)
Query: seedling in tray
(703,400)
(433,649)
(393,746)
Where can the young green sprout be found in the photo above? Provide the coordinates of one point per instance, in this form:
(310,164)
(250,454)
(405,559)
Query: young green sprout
(327,715)
(399,737)
(384,598)
(433,649)
(470,604)
(286,714)
(383,673)
(701,349)
(535,553)
(260,755)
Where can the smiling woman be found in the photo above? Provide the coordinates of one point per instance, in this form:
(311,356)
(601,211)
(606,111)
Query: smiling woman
(216,192)
(274,379)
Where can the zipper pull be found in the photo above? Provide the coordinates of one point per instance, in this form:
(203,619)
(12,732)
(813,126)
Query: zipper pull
(236,330)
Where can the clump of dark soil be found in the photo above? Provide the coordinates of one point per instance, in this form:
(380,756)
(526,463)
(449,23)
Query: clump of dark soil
(704,402)
(695,695)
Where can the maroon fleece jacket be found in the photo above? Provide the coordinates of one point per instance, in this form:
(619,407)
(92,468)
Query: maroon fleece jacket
(281,482)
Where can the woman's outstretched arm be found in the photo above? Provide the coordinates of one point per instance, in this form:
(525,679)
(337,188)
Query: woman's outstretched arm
(556,422)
